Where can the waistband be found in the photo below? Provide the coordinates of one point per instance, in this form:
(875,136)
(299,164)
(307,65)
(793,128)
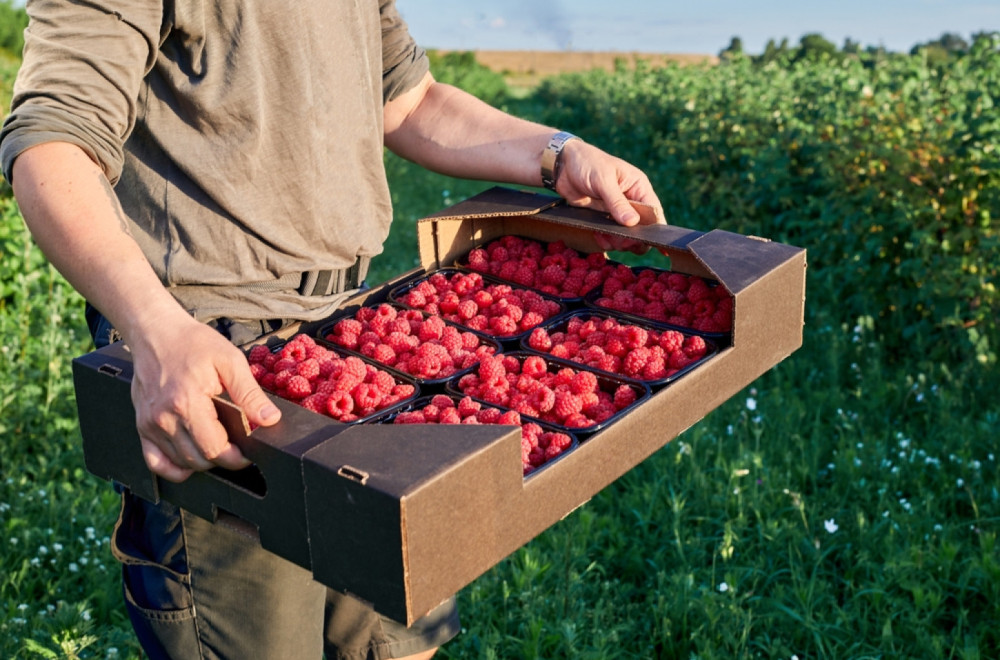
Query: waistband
(317,282)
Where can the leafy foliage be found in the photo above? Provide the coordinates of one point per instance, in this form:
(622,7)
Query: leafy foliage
(889,174)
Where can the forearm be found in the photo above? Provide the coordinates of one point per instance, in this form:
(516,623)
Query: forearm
(454,133)
(76,220)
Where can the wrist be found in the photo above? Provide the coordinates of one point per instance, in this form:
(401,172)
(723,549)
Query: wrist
(551,162)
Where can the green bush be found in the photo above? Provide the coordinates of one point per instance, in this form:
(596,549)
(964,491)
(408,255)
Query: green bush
(461,69)
(13,20)
(888,174)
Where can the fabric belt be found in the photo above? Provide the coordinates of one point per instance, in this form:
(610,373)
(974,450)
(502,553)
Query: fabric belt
(317,282)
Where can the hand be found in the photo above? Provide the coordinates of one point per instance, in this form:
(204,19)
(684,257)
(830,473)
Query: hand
(592,178)
(177,371)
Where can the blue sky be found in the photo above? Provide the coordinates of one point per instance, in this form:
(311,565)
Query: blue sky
(694,26)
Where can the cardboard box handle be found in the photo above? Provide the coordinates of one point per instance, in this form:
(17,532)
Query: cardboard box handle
(353,474)
(109,370)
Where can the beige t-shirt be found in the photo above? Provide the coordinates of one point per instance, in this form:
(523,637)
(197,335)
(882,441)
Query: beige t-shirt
(244,137)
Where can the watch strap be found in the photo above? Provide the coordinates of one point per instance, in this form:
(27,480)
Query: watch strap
(551,158)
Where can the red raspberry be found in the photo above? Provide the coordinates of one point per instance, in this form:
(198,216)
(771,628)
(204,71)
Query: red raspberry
(298,387)
(543,399)
(655,369)
(450,416)
(624,397)
(678,282)
(671,341)
(282,377)
(308,369)
(488,415)
(698,290)
(467,309)
(258,354)
(566,404)
(403,391)
(534,366)
(540,340)
(694,346)
(479,260)
(468,406)
(315,403)
(510,418)
(410,417)
(366,397)
(503,326)
(635,361)
(583,381)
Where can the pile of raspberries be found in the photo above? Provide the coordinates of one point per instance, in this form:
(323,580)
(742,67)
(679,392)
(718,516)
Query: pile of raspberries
(498,310)
(567,397)
(538,446)
(687,301)
(409,340)
(552,268)
(317,378)
(625,349)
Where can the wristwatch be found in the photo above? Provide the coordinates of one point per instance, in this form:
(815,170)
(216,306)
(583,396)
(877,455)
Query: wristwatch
(551,160)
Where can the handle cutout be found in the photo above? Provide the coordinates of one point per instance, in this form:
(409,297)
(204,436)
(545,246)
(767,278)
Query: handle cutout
(353,474)
(109,370)
(249,479)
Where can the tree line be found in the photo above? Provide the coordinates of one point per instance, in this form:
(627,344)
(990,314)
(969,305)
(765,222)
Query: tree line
(814,47)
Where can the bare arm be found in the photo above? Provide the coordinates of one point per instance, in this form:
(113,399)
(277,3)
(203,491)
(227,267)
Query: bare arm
(75,218)
(452,132)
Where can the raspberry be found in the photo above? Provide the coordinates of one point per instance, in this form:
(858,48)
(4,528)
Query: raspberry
(583,381)
(468,406)
(467,309)
(678,282)
(655,369)
(543,399)
(450,416)
(678,360)
(298,387)
(540,340)
(366,396)
(624,397)
(635,361)
(308,369)
(694,346)
(671,341)
(534,366)
(503,326)
(315,403)
(566,405)
(258,354)
(488,415)
(698,290)
(410,417)
(479,260)
(510,417)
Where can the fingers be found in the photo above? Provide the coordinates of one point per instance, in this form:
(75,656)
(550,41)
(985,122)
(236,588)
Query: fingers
(162,466)
(175,413)
(247,394)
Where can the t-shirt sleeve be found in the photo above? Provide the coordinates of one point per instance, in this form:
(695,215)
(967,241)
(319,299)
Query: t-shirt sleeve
(81,71)
(404,63)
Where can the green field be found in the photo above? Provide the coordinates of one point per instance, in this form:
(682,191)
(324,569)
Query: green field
(845,505)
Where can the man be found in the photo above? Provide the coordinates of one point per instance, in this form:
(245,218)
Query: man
(204,170)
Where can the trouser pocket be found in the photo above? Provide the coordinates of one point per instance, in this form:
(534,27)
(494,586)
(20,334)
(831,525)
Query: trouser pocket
(148,540)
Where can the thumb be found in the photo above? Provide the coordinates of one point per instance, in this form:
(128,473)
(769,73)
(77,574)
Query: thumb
(249,397)
(621,210)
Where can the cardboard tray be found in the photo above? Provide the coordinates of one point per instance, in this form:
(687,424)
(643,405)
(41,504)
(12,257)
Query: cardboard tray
(405,516)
